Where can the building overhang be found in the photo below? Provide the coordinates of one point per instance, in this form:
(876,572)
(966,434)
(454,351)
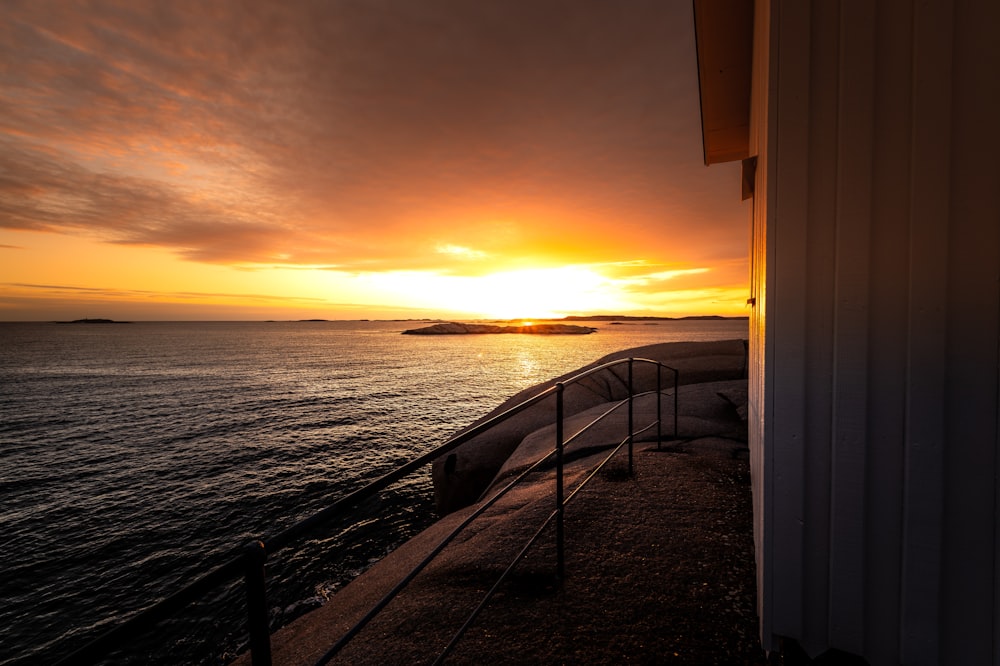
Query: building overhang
(724,38)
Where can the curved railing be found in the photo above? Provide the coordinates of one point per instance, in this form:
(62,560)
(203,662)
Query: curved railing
(250,563)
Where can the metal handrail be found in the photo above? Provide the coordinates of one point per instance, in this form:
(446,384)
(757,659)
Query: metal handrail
(250,562)
(557,515)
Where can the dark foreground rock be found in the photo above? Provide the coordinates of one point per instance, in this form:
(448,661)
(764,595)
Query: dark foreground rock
(455,328)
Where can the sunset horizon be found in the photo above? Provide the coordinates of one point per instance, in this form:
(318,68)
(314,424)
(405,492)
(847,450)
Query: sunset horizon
(531,331)
(359,162)
(525,321)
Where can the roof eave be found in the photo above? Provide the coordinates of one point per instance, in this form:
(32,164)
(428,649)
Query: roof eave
(724,45)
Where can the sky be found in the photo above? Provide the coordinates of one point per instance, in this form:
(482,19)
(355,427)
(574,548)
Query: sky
(359,159)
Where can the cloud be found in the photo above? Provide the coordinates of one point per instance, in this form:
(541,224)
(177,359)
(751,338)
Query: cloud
(40,302)
(461,252)
(116,293)
(360,135)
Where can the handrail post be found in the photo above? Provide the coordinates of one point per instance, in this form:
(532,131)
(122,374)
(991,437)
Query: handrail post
(659,405)
(560,504)
(254,555)
(631,429)
(676,384)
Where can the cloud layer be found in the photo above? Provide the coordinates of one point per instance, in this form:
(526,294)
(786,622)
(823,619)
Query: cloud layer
(364,136)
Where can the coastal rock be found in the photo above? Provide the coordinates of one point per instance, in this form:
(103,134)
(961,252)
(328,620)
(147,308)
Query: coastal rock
(702,411)
(462,476)
(456,328)
(671,521)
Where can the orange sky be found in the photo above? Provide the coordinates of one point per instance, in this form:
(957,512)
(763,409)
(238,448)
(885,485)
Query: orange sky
(363,159)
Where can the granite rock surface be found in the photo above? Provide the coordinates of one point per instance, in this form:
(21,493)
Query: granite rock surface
(462,476)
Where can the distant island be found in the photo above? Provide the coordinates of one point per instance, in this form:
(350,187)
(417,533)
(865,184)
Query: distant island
(455,328)
(93,321)
(554,326)
(648,318)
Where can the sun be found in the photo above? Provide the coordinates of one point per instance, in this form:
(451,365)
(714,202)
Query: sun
(527,294)
(543,293)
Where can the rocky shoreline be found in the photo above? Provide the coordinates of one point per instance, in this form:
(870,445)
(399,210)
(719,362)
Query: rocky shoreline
(702,477)
(464,475)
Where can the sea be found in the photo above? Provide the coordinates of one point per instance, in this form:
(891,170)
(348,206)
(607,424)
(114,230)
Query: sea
(136,456)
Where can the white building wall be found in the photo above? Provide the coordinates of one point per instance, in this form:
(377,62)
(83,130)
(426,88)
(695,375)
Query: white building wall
(876,327)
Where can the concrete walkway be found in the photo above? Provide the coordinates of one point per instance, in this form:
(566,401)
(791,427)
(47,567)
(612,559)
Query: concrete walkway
(659,570)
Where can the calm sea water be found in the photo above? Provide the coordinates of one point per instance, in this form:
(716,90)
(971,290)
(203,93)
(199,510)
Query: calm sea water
(135,456)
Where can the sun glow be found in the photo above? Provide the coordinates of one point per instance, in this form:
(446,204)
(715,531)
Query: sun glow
(541,293)
(55,276)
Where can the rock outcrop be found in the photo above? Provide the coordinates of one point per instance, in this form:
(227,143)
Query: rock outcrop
(456,328)
(462,476)
(691,507)
(702,412)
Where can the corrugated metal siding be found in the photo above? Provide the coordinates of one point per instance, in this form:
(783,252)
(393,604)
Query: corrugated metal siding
(757,404)
(973,334)
(877,246)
